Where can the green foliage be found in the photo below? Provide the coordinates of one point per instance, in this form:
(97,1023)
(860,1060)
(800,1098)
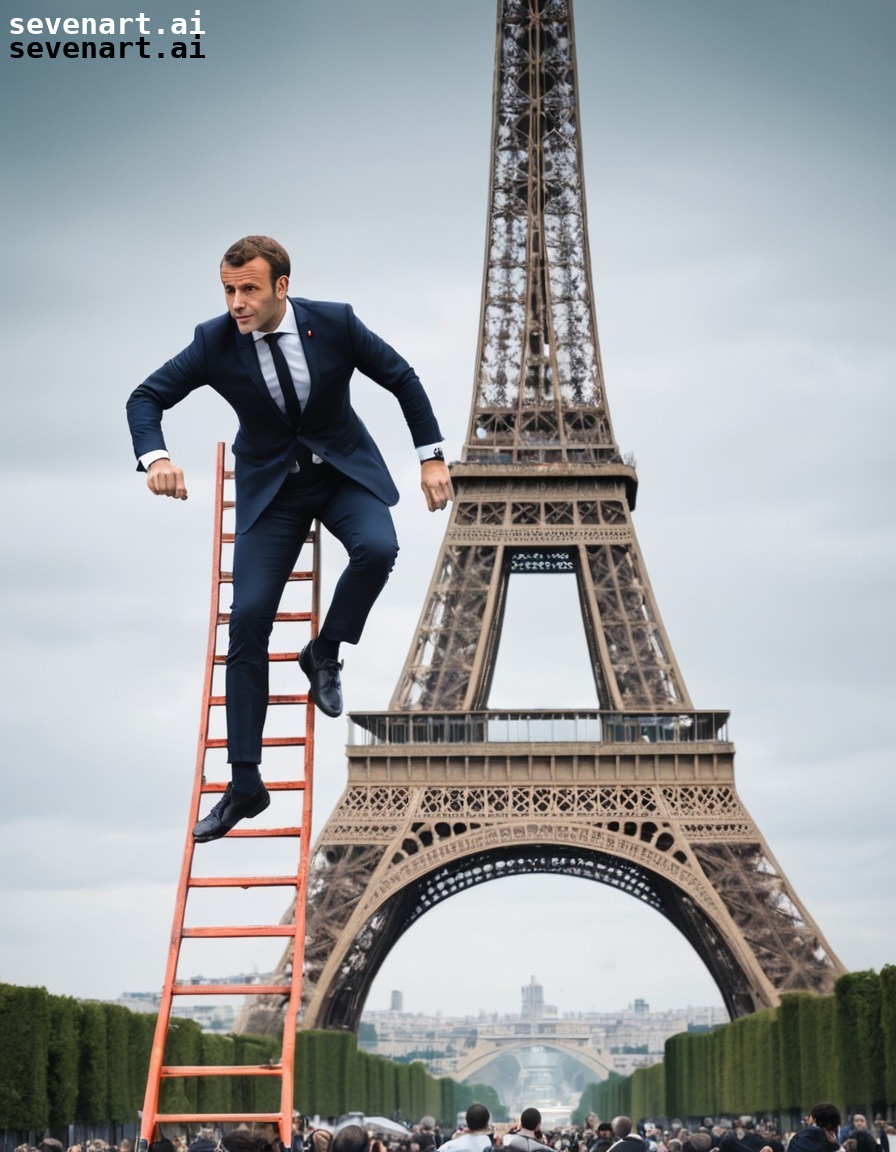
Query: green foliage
(819,1048)
(858,999)
(118,1047)
(216,1092)
(840,1047)
(888,1028)
(182,1046)
(303,1074)
(93,1073)
(25,1028)
(611,1097)
(768,1064)
(63,1058)
(791,1080)
(648,1091)
(141,1031)
(63,1061)
(256,1093)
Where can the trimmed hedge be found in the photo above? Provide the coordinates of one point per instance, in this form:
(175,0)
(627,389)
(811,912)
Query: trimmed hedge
(24,1056)
(63,1061)
(840,1047)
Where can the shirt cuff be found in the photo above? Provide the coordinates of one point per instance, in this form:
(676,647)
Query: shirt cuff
(431,451)
(150,457)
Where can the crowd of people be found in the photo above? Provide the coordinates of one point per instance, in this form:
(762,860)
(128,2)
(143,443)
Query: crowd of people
(823,1131)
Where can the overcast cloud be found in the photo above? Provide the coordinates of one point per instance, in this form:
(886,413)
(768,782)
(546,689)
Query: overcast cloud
(739,167)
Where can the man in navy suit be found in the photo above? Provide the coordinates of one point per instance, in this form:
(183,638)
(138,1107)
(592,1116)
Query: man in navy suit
(301,453)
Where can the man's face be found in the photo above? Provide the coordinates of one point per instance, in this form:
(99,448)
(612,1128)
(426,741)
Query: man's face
(255,304)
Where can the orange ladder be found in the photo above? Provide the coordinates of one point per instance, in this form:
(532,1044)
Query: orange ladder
(207,871)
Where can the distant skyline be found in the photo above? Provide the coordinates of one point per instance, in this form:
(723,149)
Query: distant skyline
(740,176)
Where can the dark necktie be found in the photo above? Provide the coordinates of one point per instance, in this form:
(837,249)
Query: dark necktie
(290,399)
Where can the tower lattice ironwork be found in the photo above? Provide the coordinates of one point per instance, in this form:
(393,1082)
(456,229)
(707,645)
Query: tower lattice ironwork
(444,793)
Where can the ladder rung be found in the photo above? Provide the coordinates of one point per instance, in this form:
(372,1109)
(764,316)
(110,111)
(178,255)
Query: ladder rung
(273,657)
(297,576)
(171,1070)
(288,698)
(230,989)
(242,881)
(272,786)
(214,1117)
(255,833)
(280,618)
(266,742)
(237,931)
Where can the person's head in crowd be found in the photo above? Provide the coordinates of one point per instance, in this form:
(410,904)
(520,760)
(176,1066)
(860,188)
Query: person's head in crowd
(242,1140)
(351,1138)
(825,1116)
(478,1117)
(530,1119)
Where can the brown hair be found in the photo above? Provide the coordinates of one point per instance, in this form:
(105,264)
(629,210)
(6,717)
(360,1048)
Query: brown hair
(274,255)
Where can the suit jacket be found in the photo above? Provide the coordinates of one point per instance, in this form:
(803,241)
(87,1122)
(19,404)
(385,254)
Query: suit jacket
(335,343)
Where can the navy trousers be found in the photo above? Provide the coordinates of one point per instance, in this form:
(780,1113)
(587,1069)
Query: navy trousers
(263,559)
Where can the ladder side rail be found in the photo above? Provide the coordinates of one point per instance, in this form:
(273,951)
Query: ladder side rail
(298,954)
(154,1077)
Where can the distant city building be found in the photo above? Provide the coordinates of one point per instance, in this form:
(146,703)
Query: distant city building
(533,1001)
(210,1017)
(625,1039)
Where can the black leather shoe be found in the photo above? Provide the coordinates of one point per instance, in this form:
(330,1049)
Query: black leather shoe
(230,809)
(326,684)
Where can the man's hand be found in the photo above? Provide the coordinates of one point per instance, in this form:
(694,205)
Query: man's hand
(165,479)
(435,480)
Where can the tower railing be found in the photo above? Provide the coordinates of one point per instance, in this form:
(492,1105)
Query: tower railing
(537,726)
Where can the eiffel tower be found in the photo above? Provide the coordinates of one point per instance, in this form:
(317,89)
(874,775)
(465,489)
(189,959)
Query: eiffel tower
(444,793)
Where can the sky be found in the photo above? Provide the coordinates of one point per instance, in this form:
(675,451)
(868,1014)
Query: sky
(740,176)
